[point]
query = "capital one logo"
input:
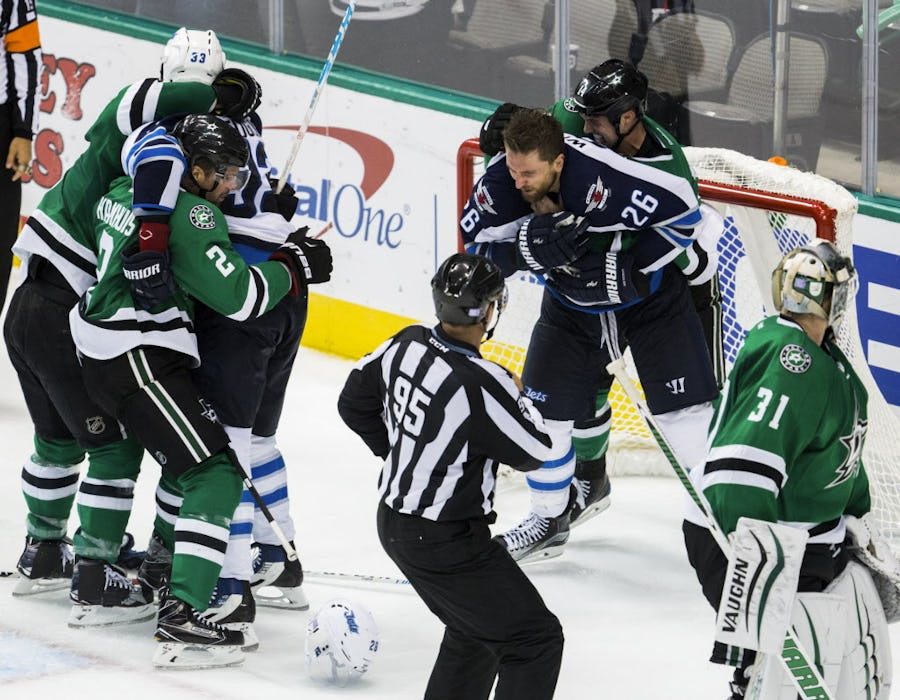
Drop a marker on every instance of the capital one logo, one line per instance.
(346, 205)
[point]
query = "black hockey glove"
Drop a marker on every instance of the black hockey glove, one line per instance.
(285, 201)
(490, 140)
(149, 274)
(307, 259)
(546, 241)
(600, 278)
(237, 94)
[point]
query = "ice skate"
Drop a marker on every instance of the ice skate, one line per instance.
(232, 606)
(590, 498)
(536, 538)
(187, 640)
(45, 565)
(102, 596)
(277, 582)
(157, 564)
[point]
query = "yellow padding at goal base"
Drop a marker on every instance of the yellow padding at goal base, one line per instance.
(346, 329)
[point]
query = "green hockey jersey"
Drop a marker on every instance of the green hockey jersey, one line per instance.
(106, 323)
(786, 439)
(61, 229)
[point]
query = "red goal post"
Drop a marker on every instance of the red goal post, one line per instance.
(767, 209)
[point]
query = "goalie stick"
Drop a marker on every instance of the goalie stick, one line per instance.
(804, 674)
(323, 77)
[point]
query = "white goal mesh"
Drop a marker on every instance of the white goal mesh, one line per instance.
(768, 209)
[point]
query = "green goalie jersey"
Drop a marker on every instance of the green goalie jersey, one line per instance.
(61, 227)
(787, 436)
(106, 323)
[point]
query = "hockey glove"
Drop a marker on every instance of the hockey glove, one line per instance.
(546, 241)
(285, 201)
(600, 278)
(149, 274)
(307, 259)
(490, 140)
(237, 94)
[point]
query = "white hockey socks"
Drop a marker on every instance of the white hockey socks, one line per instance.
(549, 485)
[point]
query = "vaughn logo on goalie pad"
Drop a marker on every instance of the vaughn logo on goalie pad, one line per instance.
(760, 585)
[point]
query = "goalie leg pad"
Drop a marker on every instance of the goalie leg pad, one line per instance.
(818, 621)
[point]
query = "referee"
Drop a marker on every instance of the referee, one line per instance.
(443, 418)
(20, 64)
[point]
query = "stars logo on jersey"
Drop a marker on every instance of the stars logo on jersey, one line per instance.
(795, 359)
(202, 217)
(483, 200)
(854, 444)
(596, 197)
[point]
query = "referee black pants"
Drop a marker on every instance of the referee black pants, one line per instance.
(497, 624)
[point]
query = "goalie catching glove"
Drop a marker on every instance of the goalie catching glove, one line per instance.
(237, 94)
(546, 241)
(307, 259)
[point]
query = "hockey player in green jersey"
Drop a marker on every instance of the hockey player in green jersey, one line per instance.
(59, 260)
(785, 446)
(136, 365)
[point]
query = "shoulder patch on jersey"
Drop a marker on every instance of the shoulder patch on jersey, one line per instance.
(483, 200)
(202, 217)
(795, 358)
(596, 196)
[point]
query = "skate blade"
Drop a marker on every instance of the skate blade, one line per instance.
(550, 552)
(34, 586)
(187, 657)
(591, 511)
(251, 641)
(284, 598)
(83, 616)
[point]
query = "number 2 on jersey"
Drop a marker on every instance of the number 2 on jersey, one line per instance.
(765, 397)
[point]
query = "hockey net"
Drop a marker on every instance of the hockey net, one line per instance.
(767, 209)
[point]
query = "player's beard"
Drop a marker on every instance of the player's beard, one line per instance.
(539, 193)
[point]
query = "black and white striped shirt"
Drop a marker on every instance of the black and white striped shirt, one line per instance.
(443, 419)
(20, 64)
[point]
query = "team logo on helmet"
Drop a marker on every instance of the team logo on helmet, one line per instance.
(202, 217)
(596, 197)
(795, 359)
(483, 200)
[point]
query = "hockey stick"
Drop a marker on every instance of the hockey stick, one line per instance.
(326, 576)
(806, 677)
(289, 551)
(323, 76)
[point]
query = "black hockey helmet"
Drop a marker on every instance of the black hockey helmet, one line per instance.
(204, 137)
(610, 90)
(464, 287)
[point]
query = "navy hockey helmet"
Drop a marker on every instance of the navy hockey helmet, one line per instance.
(808, 277)
(464, 287)
(209, 141)
(610, 89)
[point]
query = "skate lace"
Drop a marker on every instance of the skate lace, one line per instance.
(114, 579)
(198, 618)
(529, 531)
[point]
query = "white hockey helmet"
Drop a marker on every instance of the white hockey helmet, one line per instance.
(807, 278)
(341, 642)
(192, 55)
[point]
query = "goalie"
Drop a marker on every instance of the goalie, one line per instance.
(785, 448)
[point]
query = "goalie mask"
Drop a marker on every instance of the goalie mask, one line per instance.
(464, 288)
(341, 642)
(808, 277)
(192, 55)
